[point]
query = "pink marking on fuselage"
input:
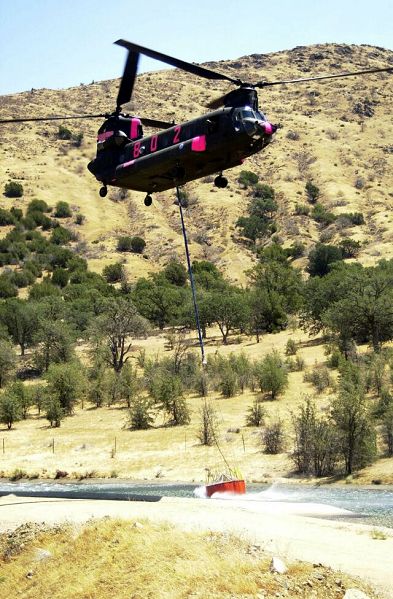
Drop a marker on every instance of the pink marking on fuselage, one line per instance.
(198, 144)
(129, 163)
(268, 128)
(105, 135)
(135, 123)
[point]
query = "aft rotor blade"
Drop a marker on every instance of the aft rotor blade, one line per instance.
(319, 77)
(128, 79)
(53, 118)
(176, 62)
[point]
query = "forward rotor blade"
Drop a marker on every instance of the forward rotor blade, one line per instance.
(318, 78)
(176, 62)
(155, 123)
(217, 102)
(128, 79)
(53, 118)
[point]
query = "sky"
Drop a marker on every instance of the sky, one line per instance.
(62, 43)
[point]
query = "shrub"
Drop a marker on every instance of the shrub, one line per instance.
(113, 273)
(13, 189)
(63, 210)
(312, 192)
(140, 417)
(64, 133)
(79, 219)
(302, 210)
(138, 244)
(273, 437)
(124, 244)
(208, 424)
(321, 215)
(38, 206)
(255, 414)
(319, 377)
(6, 217)
(60, 236)
(248, 178)
(291, 347)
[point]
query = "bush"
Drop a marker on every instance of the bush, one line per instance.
(302, 210)
(6, 217)
(60, 236)
(124, 244)
(140, 417)
(255, 414)
(312, 192)
(79, 219)
(13, 189)
(138, 244)
(63, 210)
(64, 133)
(291, 347)
(273, 438)
(321, 215)
(319, 377)
(248, 178)
(38, 206)
(208, 424)
(113, 273)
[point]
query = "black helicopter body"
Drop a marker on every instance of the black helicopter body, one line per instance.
(182, 152)
(209, 144)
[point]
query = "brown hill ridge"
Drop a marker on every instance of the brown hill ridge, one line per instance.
(337, 133)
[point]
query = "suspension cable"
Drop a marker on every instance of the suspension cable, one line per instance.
(191, 279)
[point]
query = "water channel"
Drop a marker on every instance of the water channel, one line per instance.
(372, 506)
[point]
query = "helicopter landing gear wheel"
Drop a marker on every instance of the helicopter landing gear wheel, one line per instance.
(103, 191)
(148, 200)
(221, 181)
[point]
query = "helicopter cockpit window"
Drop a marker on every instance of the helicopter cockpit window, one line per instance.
(248, 114)
(260, 116)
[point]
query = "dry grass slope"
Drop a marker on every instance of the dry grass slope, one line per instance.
(145, 560)
(326, 137)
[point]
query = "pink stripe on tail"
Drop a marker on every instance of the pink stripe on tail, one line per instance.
(198, 144)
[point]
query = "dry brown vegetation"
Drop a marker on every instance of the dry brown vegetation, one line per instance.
(143, 560)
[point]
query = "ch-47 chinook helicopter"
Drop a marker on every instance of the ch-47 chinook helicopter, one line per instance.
(206, 145)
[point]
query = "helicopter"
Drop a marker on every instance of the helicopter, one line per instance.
(219, 140)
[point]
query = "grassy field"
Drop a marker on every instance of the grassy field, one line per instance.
(98, 443)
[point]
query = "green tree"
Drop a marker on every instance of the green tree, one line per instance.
(159, 301)
(23, 396)
(21, 319)
(54, 412)
(166, 389)
(7, 361)
(176, 273)
(353, 420)
(66, 384)
(9, 409)
(272, 374)
(54, 340)
(230, 310)
(321, 258)
(114, 328)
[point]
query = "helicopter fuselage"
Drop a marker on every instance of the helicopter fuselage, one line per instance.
(197, 148)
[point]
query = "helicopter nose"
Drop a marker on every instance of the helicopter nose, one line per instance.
(267, 127)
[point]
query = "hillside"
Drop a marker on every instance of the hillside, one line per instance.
(336, 133)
